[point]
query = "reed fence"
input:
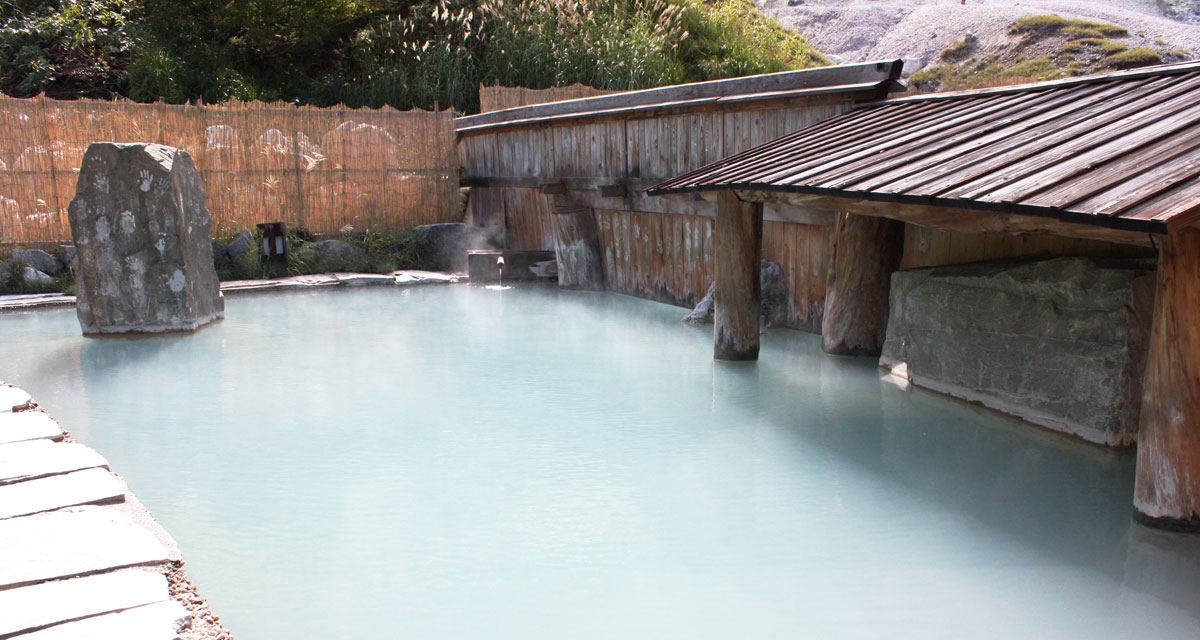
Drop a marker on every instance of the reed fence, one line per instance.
(327, 169)
(498, 98)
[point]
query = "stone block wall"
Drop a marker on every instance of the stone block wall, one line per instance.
(1060, 342)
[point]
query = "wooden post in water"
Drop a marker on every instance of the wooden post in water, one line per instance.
(1167, 492)
(738, 296)
(577, 248)
(866, 250)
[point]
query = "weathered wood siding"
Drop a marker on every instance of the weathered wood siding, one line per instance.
(645, 253)
(929, 247)
(804, 251)
(527, 220)
(650, 255)
(497, 98)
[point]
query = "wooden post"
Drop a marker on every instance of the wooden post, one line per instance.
(738, 297)
(866, 250)
(1167, 491)
(577, 248)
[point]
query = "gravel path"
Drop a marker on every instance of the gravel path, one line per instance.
(857, 30)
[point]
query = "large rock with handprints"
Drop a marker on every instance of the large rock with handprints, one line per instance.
(143, 235)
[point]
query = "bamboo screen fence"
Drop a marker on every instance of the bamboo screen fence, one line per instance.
(324, 169)
(497, 98)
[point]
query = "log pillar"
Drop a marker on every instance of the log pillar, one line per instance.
(577, 248)
(866, 251)
(1167, 492)
(737, 299)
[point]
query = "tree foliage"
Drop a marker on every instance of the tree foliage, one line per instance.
(404, 53)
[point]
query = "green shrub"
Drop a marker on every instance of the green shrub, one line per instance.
(1140, 57)
(1100, 45)
(1050, 24)
(407, 54)
(1040, 24)
(65, 48)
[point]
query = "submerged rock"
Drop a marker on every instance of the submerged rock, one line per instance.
(39, 260)
(143, 234)
(774, 298)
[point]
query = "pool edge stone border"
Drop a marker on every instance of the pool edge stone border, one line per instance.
(128, 514)
(404, 278)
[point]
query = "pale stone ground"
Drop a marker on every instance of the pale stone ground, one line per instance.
(860, 30)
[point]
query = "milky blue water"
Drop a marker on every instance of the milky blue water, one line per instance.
(454, 462)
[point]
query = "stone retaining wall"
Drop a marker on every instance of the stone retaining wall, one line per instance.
(1059, 342)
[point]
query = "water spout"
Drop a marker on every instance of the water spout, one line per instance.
(499, 266)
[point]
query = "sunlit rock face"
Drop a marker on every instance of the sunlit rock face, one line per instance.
(143, 235)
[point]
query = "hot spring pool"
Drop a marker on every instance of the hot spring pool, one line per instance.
(454, 462)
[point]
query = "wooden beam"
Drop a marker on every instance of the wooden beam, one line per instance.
(738, 296)
(866, 251)
(952, 218)
(1167, 490)
(629, 194)
(818, 78)
(577, 248)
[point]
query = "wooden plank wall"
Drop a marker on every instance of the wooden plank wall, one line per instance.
(647, 147)
(928, 247)
(668, 258)
(664, 254)
(804, 253)
(527, 220)
(497, 98)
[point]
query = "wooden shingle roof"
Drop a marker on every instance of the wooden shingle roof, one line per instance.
(1120, 150)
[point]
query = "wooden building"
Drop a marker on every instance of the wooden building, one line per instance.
(1110, 161)
(578, 170)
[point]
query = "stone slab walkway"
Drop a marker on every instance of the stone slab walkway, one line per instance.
(69, 571)
(158, 621)
(78, 488)
(238, 287)
(22, 461)
(73, 542)
(27, 425)
(40, 606)
(11, 397)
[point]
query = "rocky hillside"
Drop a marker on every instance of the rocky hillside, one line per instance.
(956, 44)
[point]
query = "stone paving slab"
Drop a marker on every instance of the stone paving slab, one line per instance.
(42, 605)
(28, 425)
(25, 303)
(159, 621)
(427, 277)
(23, 461)
(90, 486)
(73, 542)
(237, 287)
(364, 279)
(11, 397)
